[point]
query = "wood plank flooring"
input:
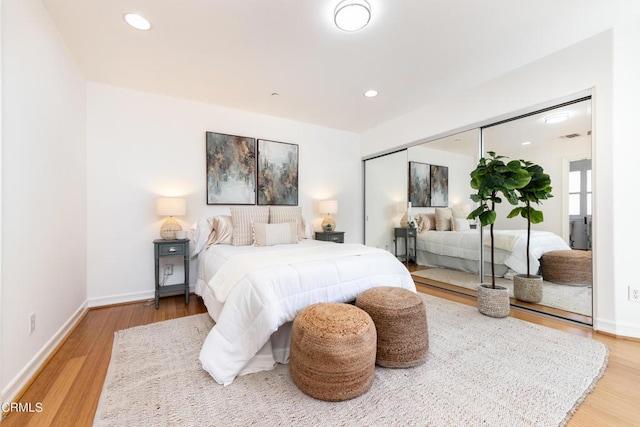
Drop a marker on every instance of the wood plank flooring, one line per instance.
(69, 386)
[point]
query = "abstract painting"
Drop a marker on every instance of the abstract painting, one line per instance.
(231, 169)
(439, 186)
(419, 185)
(277, 173)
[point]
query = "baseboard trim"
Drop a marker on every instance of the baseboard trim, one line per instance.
(125, 298)
(19, 384)
(618, 330)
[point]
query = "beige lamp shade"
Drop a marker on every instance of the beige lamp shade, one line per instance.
(171, 207)
(328, 207)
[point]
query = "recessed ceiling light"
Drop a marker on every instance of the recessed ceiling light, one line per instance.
(556, 118)
(137, 21)
(526, 143)
(371, 93)
(352, 15)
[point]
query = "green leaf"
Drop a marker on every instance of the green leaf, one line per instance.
(515, 212)
(536, 216)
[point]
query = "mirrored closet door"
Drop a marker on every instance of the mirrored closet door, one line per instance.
(559, 140)
(428, 185)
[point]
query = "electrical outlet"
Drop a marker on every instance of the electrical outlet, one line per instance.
(32, 322)
(634, 294)
(168, 269)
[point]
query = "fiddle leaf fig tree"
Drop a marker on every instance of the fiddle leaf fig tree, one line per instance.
(494, 179)
(538, 189)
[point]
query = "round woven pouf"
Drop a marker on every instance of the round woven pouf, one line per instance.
(568, 267)
(333, 351)
(400, 317)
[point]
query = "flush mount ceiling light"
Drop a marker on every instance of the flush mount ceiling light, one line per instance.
(526, 143)
(352, 15)
(137, 21)
(556, 118)
(371, 93)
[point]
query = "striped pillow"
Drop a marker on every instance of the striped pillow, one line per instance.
(275, 234)
(242, 217)
(280, 214)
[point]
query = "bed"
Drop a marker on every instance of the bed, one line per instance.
(254, 292)
(460, 250)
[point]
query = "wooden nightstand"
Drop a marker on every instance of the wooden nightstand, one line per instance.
(171, 248)
(406, 233)
(331, 236)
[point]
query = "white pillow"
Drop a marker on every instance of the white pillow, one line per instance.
(460, 224)
(461, 211)
(242, 218)
(443, 219)
(426, 222)
(200, 231)
(221, 231)
(275, 234)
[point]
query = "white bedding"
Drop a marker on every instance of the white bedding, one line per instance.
(511, 246)
(261, 289)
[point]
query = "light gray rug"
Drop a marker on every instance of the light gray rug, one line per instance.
(576, 299)
(479, 371)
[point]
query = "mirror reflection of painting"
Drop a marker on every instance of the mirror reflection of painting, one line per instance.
(419, 184)
(439, 186)
(231, 169)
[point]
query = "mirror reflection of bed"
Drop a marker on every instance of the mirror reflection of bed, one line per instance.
(449, 259)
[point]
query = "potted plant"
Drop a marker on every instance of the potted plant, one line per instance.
(493, 179)
(528, 287)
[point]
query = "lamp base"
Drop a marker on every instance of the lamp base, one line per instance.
(328, 224)
(169, 228)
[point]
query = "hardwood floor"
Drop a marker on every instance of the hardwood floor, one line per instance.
(69, 386)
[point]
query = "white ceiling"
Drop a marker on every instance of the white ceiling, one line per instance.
(507, 138)
(236, 53)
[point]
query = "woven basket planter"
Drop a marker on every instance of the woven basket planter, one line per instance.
(493, 302)
(333, 351)
(400, 317)
(527, 288)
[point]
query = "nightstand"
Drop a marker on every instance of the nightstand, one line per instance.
(171, 248)
(406, 234)
(331, 236)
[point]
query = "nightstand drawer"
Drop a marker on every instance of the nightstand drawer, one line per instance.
(165, 250)
(331, 236)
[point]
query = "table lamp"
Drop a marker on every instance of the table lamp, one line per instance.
(171, 207)
(328, 207)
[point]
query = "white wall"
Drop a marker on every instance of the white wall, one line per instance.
(141, 146)
(586, 65)
(43, 189)
(624, 164)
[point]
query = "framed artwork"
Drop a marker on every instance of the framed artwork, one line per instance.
(439, 186)
(277, 173)
(419, 185)
(231, 169)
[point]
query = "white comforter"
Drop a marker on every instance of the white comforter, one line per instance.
(512, 243)
(253, 291)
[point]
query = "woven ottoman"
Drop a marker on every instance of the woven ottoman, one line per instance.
(570, 267)
(400, 317)
(333, 351)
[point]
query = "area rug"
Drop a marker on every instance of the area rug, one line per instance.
(576, 299)
(479, 371)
